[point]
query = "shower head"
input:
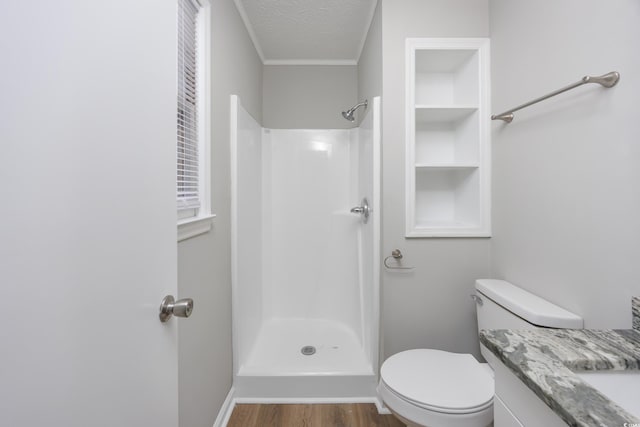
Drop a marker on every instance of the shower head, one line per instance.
(349, 113)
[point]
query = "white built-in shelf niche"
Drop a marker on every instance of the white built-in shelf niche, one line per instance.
(448, 172)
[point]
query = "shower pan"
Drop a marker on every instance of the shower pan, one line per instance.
(305, 262)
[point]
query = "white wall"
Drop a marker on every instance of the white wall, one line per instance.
(431, 306)
(308, 96)
(565, 186)
(204, 272)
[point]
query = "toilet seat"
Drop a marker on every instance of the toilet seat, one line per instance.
(439, 381)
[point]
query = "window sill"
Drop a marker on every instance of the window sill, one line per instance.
(191, 227)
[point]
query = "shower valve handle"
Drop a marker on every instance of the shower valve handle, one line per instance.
(363, 210)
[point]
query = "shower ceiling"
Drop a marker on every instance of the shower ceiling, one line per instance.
(307, 31)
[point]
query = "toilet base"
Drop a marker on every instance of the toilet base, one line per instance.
(415, 416)
(407, 422)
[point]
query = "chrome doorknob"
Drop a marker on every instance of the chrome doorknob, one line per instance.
(170, 307)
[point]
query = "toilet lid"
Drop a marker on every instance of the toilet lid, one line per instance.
(439, 380)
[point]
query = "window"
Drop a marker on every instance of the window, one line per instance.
(192, 180)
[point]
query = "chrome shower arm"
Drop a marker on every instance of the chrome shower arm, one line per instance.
(355, 107)
(349, 113)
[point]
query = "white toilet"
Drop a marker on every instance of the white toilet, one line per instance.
(433, 388)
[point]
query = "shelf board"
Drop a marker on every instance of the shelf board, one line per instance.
(446, 106)
(445, 228)
(446, 166)
(443, 113)
(426, 224)
(447, 232)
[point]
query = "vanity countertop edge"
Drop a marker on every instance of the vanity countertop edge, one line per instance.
(546, 361)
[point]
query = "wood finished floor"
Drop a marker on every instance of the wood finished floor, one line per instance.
(317, 415)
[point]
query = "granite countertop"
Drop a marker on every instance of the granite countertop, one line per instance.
(546, 359)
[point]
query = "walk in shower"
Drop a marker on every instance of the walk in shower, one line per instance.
(305, 264)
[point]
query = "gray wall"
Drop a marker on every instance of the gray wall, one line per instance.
(431, 306)
(204, 272)
(566, 204)
(370, 63)
(308, 96)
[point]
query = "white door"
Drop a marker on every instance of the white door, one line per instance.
(87, 213)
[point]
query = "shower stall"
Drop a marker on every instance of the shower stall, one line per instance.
(305, 259)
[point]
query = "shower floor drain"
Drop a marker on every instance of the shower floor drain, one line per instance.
(308, 350)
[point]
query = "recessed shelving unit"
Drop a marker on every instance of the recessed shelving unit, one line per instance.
(448, 180)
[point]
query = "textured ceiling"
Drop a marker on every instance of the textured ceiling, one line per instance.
(307, 31)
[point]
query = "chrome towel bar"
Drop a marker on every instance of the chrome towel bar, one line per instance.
(607, 80)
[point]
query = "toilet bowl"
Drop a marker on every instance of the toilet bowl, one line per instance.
(434, 388)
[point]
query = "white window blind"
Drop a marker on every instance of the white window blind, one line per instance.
(188, 164)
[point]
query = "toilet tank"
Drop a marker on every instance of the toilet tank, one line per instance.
(502, 305)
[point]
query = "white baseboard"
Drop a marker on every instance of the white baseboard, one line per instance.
(231, 401)
(382, 409)
(226, 410)
(305, 400)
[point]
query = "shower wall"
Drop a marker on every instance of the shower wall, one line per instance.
(246, 209)
(310, 242)
(305, 269)
(369, 162)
